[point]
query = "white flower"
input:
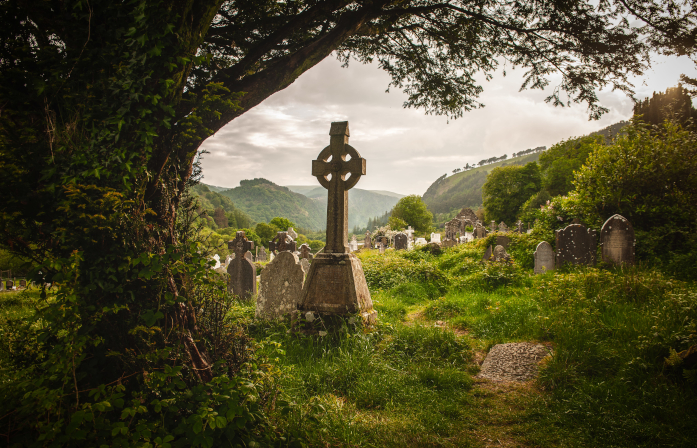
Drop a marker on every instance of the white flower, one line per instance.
(309, 316)
(322, 333)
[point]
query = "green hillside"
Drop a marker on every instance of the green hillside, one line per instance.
(363, 204)
(209, 200)
(464, 189)
(263, 200)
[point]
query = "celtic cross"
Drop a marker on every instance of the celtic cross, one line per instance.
(240, 245)
(338, 175)
(280, 243)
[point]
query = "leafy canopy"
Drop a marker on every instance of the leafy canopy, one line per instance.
(411, 210)
(507, 188)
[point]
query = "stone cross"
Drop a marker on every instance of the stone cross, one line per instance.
(338, 175)
(240, 245)
(305, 252)
(261, 255)
(280, 243)
(410, 233)
(503, 227)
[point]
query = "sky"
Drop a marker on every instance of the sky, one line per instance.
(405, 150)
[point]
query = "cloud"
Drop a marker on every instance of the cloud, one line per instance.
(405, 149)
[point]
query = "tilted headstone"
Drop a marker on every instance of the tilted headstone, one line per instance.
(576, 245)
(367, 243)
(261, 254)
(292, 233)
(544, 258)
(503, 227)
(336, 282)
(401, 241)
(500, 254)
(617, 241)
(435, 238)
(488, 254)
(242, 280)
(503, 240)
(280, 286)
(281, 243)
(306, 252)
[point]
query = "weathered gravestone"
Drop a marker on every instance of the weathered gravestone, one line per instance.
(336, 283)
(488, 254)
(261, 254)
(500, 254)
(503, 240)
(617, 241)
(480, 232)
(401, 241)
(435, 238)
(367, 243)
(503, 227)
(281, 243)
(280, 286)
(242, 280)
(576, 244)
(381, 247)
(306, 252)
(544, 258)
(292, 233)
(353, 244)
(22, 283)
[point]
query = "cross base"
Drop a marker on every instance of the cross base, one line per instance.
(336, 285)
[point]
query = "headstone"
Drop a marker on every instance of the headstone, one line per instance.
(280, 286)
(503, 240)
(576, 245)
(420, 241)
(292, 233)
(2, 284)
(242, 280)
(503, 227)
(353, 244)
(480, 232)
(544, 258)
(384, 240)
(282, 242)
(617, 241)
(435, 238)
(434, 248)
(336, 282)
(448, 243)
(381, 246)
(367, 243)
(487, 255)
(305, 263)
(306, 252)
(401, 241)
(261, 254)
(500, 254)
(22, 283)
(493, 226)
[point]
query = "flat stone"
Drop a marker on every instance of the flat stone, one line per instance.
(513, 361)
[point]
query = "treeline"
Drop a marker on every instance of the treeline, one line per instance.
(378, 221)
(220, 211)
(529, 151)
(591, 179)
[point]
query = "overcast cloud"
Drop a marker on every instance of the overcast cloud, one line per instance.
(405, 149)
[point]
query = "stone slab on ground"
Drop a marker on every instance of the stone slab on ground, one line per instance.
(514, 361)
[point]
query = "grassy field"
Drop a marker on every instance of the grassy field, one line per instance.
(614, 380)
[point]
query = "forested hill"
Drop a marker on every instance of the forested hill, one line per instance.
(363, 204)
(464, 189)
(263, 200)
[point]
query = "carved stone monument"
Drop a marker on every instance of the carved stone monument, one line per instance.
(367, 243)
(280, 286)
(617, 241)
(306, 252)
(242, 273)
(576, 244)
(281, 243)
(480, 232)
(500, 254)
(261, 254)
(401, 241)
(544, 258)
(503, 227)
(292, 233)
(336, 282)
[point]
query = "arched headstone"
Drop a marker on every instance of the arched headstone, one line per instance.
(242, 273)
(400, 241)
(617, 241)
(544, 258)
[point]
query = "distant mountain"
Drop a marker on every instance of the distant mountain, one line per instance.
(363, 204)
(215, 189)
(210, 200)
(263, 200)
(464, 189)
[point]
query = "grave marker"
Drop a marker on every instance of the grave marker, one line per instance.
(503, 227)
(401, 241)
(544, 258)
(576, 245)
(280, 286)
(367, 243)
(292, 233)
(242, 280)
(306, 252)
(435, 238)
(503, 240)
(336, 283)
(617, 241)
(282, 242)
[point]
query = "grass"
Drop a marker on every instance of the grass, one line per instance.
(615, 379)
